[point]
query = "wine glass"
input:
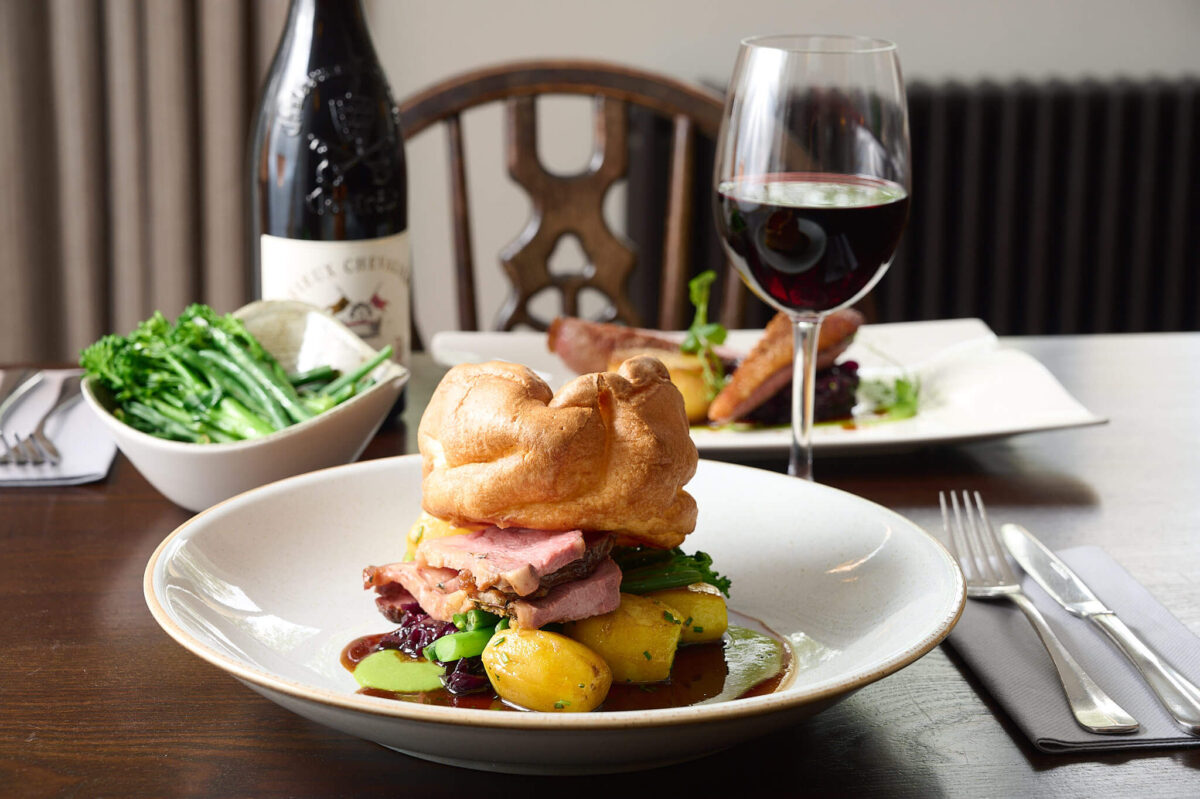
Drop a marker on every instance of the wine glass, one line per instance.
(812, 185)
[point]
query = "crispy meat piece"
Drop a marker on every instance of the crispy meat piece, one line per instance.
(768, 367)
(588, 346)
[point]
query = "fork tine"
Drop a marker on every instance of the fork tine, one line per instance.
(948, 529)
(966, 525)
(979, 549)
(962, 544)
(33, 455)
(38, 445)
(47, 447)
(33, 452)
(18, 450)
(993, 543)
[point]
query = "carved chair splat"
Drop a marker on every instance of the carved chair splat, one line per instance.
(572, 205)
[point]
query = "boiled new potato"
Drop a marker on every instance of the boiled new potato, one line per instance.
(702, 611)
(546, 671)
(429, 527)
(637, 640)
(686, 373)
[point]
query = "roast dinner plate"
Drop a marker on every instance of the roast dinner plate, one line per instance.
(971, 386)
(267, 586)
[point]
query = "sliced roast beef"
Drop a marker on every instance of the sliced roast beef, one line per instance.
(513, 561)
(394, 601)
(441, 594)
(533, 576)
(598, 547)
(599, 592)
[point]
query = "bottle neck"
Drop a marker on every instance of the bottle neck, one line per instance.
(338, 22)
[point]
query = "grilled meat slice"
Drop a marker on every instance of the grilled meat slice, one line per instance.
(768, 367)
(588, 346)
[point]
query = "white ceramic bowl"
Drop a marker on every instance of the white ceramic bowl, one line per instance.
(855, 590)
(301, 337)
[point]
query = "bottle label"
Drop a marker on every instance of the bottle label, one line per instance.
(365, 283)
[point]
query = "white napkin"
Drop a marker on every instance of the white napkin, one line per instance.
(86, 448)
(1001, 647)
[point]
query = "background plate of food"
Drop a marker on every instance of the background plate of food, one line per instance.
(920, 383)
(267, 586)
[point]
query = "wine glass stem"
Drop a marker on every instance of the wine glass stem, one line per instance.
(806, 331)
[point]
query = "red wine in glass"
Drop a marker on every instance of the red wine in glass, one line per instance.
(811, 184)
(811, 242)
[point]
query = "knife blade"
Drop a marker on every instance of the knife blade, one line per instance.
(1178, 695)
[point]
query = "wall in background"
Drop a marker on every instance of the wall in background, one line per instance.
(423, 42)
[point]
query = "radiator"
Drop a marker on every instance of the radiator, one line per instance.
(1054, 208)
(1040, 208)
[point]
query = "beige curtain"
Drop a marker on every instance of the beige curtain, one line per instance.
(122, 145)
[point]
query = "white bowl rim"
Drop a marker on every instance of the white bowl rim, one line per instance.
(779, 701)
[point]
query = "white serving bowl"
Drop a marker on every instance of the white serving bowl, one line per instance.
(301, 337)
(854, 590)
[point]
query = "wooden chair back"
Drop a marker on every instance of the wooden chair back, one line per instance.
(573, 204)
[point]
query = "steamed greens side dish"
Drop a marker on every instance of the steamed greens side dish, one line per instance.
(206, 379)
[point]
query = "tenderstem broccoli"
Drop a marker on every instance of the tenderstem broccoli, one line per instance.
(645, 569)
(205, 378)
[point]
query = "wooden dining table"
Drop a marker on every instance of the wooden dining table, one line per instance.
(96, 700)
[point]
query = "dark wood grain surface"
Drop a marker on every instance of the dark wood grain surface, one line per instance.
(95, 700)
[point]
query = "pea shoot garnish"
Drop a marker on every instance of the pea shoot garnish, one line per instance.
(704, 335)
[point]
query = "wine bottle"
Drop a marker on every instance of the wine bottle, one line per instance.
(328, 184)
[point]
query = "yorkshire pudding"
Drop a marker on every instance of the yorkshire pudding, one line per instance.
(611, 451)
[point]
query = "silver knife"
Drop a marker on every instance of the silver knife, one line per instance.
(1178, 695)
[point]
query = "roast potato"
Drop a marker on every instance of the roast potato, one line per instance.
(546, 671)
(702, 611)
(637, 640)
(429, 527)
(686, 373)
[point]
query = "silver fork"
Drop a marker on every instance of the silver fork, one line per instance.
(38, 444)
(24, 382)
(975, 546)
(14, 452)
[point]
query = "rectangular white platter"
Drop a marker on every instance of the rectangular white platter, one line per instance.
(971, 387)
